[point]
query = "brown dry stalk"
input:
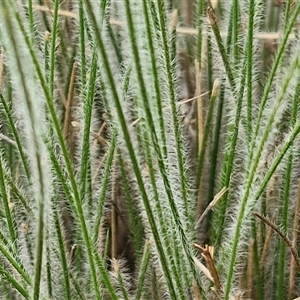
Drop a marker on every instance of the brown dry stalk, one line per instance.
(211, 205)
(100, 165)
(190, 99)
(207, 254)
(285, 239)
(61, 12)
(12, 142)
(174, 19)
(7, 139)
(72, 253)
(98, 138)
(266, 244)
(177, 103)
(101, 130)
(67, 120)
(211, 16)
(294, 243)
(260, 35)
(116, 266)
(197, 294)
(215, 89)
(214, 3)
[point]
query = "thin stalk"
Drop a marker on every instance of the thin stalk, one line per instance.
(156, 290)
(69, 104)
(63, 258)
(207, 132)
(53, 48)
(281, 262)
(77, 287)
(40, 239)
(173, 35)
(8, 212)
(258, 280)
(124, 290)
(143, 270)
(16, 136)
(200, 12)
(115, 42)
(249, 80)
(229, 32)
(210, 65)
(48, 270)
(113, 212)
(207, 129)
(88, 102)
(82, 44)
(235, 30)
(135, 223)
(44, 17)
(215, 148)
(31, 20)
(297, 205)
(295, 238)
(287, 11)
(104, 185)
(222, 50)
(105, 277)
(286, 198)
(199, 104)
(60, 173)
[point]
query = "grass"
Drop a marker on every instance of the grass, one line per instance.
(149, 149)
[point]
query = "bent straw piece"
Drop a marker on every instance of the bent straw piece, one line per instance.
(285, 239)
(211, 205)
